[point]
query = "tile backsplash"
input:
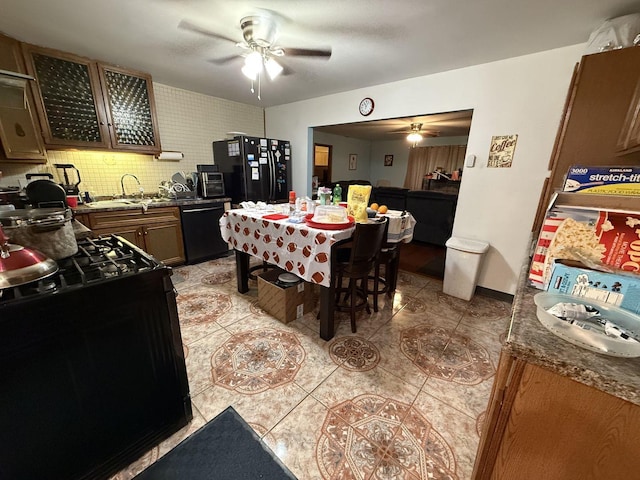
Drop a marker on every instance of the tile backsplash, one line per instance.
(188, 123)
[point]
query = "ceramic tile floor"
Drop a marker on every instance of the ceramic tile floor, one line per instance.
(403, 398)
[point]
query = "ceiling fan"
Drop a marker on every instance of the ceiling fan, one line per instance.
(258, 47)
(416, 133)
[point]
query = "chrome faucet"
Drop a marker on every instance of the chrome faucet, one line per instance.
(124, 194)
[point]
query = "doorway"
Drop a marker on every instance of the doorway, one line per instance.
(321, 164)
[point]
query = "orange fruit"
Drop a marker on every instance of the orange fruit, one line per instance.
(373, 206)
(382, 209)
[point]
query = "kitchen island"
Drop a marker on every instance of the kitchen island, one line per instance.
(558, 411)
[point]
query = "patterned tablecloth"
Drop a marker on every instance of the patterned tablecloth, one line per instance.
(400, 226)
(297, 247)
(294, 247)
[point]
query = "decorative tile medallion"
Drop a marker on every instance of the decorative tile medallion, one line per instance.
(354, 353)
(255, 308)
(202, 307)
(379, 438)
(217, 278)
(257, 360)
(463, 361)
(414, 305)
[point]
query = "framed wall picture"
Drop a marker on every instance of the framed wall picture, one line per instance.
(353, 161)
(388, 160)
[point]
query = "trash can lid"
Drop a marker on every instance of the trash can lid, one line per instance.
(467, 245)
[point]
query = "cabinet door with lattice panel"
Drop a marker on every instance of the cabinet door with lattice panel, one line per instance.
(130, 108)
(69, 99)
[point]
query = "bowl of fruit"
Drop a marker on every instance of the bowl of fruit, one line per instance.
(374, 209)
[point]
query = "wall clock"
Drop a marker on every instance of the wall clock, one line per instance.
(366, 106)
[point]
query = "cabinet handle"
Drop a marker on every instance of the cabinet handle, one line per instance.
(139, 233)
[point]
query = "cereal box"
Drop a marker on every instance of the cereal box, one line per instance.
(620, 290)
(603, 180)
(593, 236)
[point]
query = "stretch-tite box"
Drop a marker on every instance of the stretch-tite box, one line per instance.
(620, 180)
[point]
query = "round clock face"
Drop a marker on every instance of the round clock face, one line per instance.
(366, 106)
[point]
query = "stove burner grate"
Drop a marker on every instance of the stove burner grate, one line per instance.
(97, 260)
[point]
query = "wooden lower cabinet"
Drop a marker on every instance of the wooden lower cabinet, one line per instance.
(541, 425)
(157, 231)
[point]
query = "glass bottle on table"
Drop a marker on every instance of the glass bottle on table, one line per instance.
(337, 194)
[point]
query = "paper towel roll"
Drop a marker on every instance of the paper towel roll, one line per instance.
(175, 156)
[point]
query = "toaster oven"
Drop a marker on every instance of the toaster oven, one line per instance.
(212, 184)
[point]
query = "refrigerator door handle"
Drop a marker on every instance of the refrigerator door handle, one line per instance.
(272, 171)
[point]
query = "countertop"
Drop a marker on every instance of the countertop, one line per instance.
(156, 204)
(529, 340)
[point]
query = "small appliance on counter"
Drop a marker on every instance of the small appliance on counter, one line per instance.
(211, 182)
(71, 188)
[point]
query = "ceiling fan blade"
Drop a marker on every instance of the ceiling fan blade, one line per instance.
(307, 52)
(187, 25)
(225, 60)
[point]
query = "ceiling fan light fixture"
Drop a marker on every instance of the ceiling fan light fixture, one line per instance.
(273, 68)
(249, 72)
(414, 137)
(253, 61)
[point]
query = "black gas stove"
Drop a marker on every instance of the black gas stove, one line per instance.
(93, 371)
(97, 260)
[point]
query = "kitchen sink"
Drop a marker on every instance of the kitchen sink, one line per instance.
(113, 203)
(126, 202)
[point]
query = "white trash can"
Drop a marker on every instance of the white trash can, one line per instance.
(462, 266)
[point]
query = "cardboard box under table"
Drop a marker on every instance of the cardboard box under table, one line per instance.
(285, 302)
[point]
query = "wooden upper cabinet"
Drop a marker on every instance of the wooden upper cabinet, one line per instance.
(629, 140)
(86, 104)
(20, 136)
(598, 102)
(69, 98)
(131, 113)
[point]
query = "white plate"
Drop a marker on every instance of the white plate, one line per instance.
(288, 278)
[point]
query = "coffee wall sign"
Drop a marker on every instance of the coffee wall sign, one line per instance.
(501, 151)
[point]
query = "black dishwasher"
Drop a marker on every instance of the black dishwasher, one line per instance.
(201, 231)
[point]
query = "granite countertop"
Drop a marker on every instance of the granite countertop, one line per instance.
(155, 204)
(529, 340)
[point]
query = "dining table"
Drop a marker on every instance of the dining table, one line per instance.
(298, 246)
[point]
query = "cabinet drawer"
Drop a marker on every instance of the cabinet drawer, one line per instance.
(133, 217)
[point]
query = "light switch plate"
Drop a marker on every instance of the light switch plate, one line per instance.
(470, 161)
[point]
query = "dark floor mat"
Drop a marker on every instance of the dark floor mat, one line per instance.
(434, 267)
(226, 448)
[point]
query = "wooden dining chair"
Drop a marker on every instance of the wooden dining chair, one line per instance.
(389, 258)
(354, 260)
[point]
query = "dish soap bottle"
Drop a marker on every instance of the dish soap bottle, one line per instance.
(337, 194)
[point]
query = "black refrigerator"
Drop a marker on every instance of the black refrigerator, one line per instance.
(254, 168)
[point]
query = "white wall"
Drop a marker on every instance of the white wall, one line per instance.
(523, 96)
(342, 148)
